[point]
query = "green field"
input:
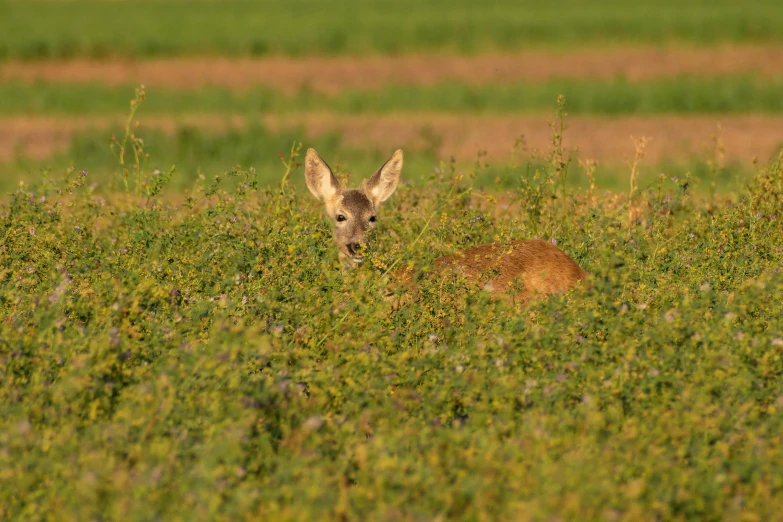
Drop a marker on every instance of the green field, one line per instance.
(179, 342)
(208, 361)
(139, 28)
(682, 95)
(195, 152)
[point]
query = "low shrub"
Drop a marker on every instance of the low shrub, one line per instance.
(208, 359)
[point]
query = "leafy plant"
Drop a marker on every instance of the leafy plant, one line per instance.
(210, 361)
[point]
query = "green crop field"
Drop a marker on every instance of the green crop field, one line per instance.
(178, 340)
(682, 95)
(140, 28)
(205, 360)
(195, 153)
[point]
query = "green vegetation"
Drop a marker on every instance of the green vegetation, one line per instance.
(206, 360)
(683, 95)
(193, 151)
(198, 151)
(141, 28)
(181, 344)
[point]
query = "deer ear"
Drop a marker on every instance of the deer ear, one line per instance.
(319, 177)
(383, 183)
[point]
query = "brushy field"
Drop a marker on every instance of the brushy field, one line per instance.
(181, 343)
(734, 94)
(99, 34)
(143, 28)
(197, 152)
(204, 358)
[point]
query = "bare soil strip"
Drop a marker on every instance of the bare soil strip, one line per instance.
(607, 140)
(335, 74)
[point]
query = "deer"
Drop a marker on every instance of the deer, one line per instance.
(540, 266)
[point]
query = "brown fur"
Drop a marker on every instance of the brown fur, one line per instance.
(354, 211)
(538, 265)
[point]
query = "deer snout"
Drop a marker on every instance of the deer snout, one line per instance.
(356, 248)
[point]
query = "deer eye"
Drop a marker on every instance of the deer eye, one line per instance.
(372, 219)
(340, 217)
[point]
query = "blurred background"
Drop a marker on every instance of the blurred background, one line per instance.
(237, 82)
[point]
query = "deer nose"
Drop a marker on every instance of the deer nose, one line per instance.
(354, 248)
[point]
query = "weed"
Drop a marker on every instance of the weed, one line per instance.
(211, 361)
